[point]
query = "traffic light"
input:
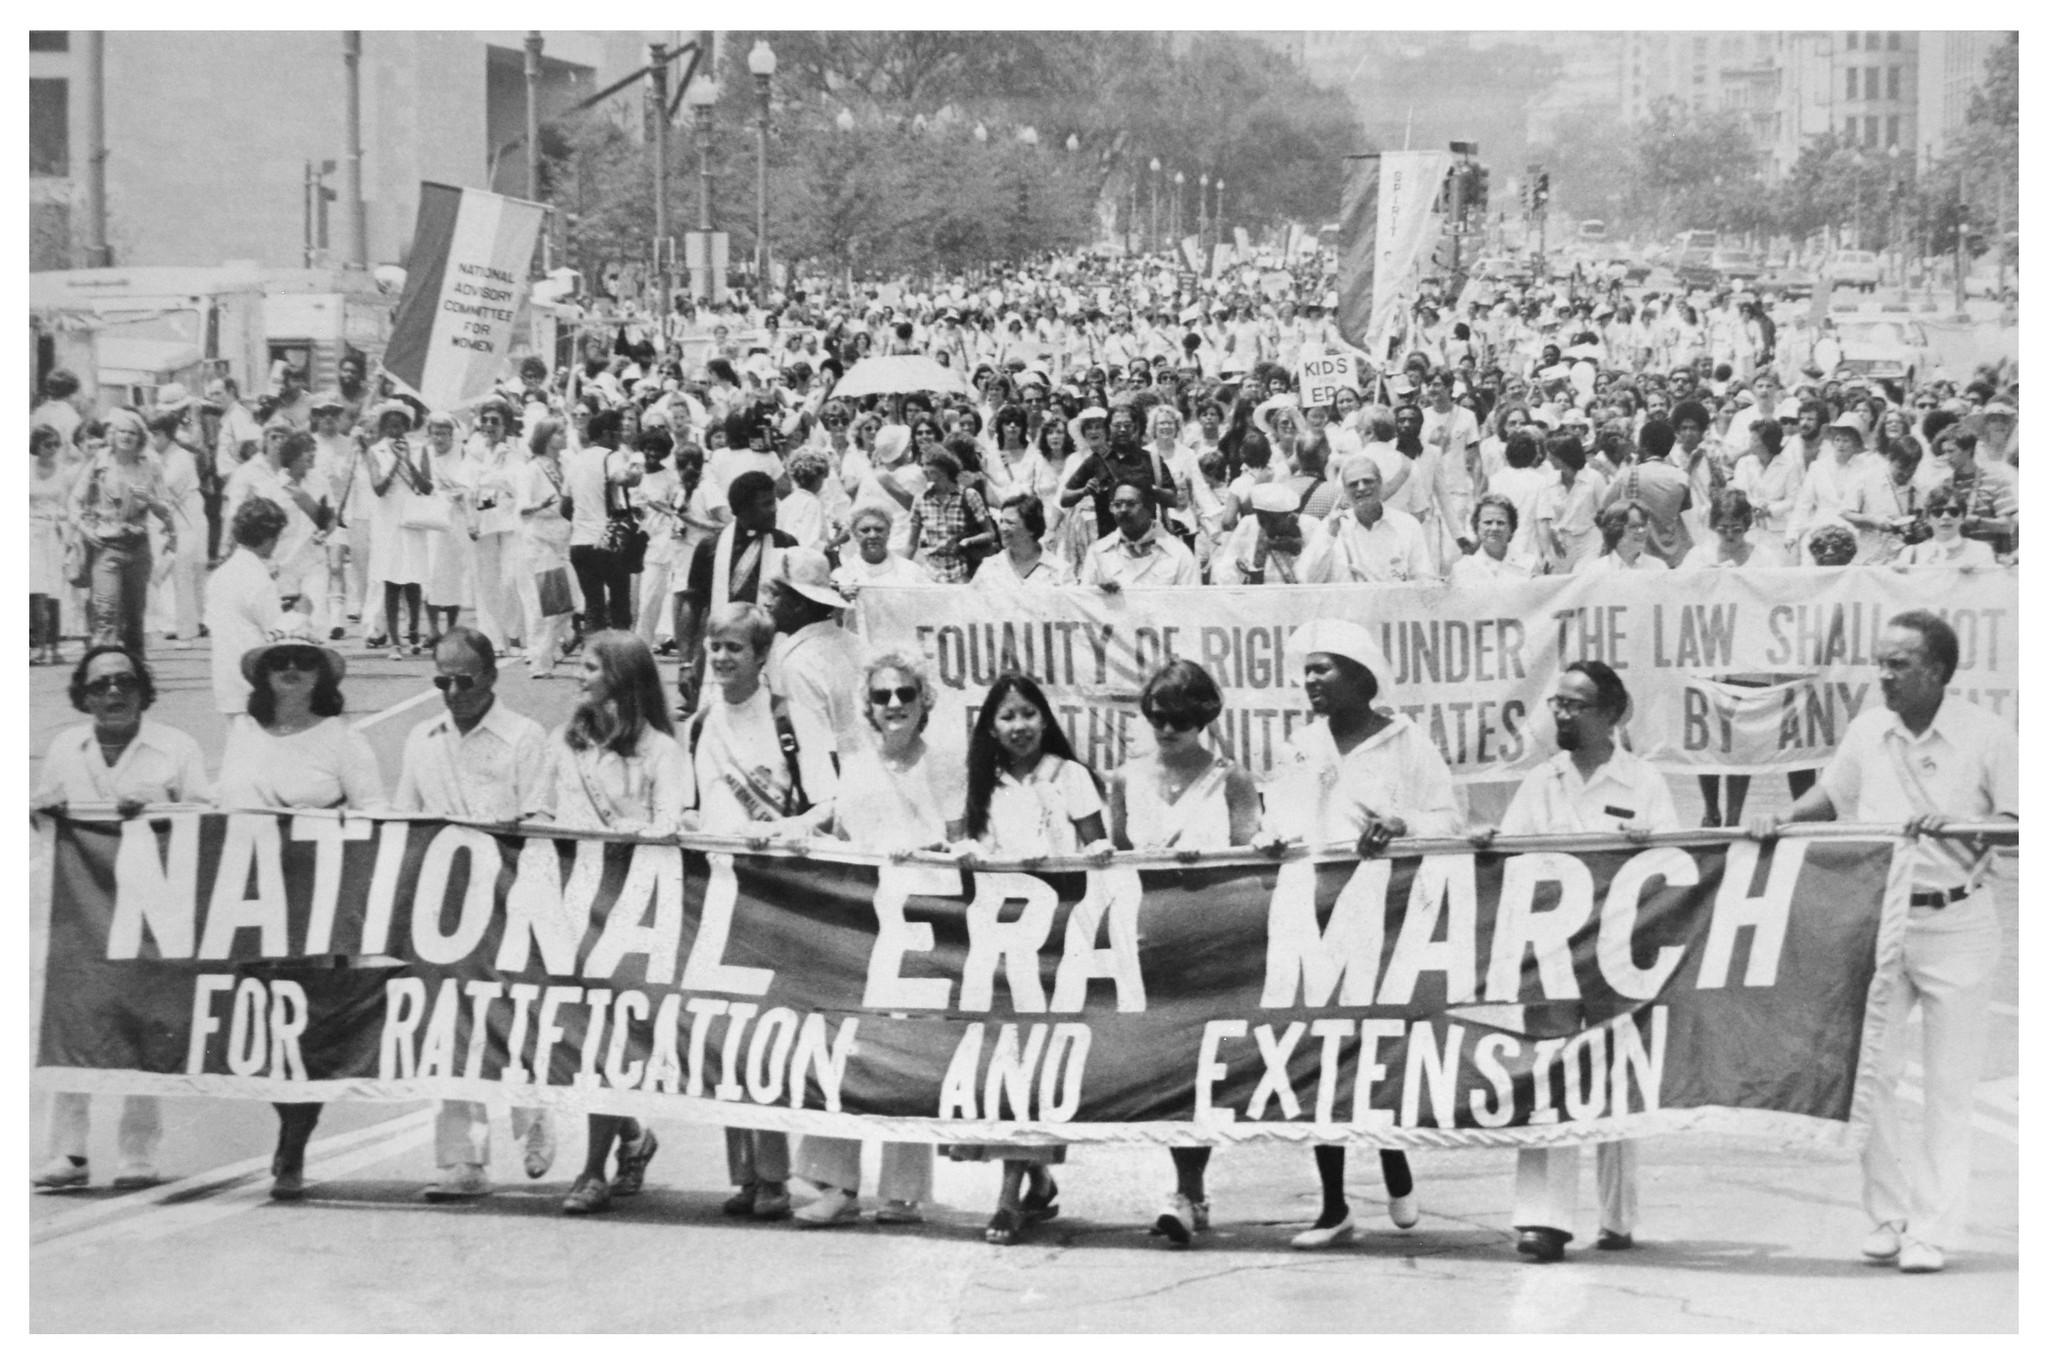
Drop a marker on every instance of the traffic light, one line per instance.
(1540, 199)
(1476, 189)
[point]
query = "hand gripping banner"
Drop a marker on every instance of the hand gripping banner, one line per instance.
(1543, 991)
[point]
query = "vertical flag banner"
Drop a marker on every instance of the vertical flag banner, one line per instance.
(1357, 233)
(1408, 188)
(1191, 251)
(463, 289)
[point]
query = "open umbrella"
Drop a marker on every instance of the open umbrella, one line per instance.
(886, 374)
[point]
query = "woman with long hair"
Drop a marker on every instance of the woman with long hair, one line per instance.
(110, 501)
(618, 768)
(1027, 797)
(295, 752)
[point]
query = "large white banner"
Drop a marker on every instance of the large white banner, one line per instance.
(464, 285)
(1408, 190)
(1740, 671)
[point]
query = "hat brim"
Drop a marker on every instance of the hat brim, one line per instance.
(819, 593)
(252, 660)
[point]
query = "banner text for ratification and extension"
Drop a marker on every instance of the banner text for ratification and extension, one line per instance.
(1499, 997)
(1741, 671)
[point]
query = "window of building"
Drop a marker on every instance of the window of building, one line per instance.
(1891, 82)
(49, 126)
(1872, 82)
(1850, 41)
(1870, 130)
(1891, 131)
(1852, 82)
(49, 40)
(1892, 41)
(1870, 40)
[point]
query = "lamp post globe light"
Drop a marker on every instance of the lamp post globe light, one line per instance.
(981, 132)
(1073, 142)
(844, 123)
(761, 61)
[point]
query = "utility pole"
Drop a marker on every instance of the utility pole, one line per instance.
(354, 252)
(657, 142)
(533, 49)
(97, 252)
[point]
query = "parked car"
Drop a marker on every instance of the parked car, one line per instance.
(1861, 269)
(1506, 269)
(1735, 267)
(1788, 281)
(1892, 349)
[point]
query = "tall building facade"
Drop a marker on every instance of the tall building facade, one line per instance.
(1951, 68)
(210, 136)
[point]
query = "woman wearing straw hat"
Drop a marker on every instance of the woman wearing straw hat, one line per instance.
(1357, 777)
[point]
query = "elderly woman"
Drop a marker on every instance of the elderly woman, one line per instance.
(618, 768)
(295, 752)
(1495, 521)
(110, 501)
(802, 512)
(871, 560)
(906, 802)
(49, 488)
(450, 584)
(760, 767)
(121, 759)
(1360, 777)
(1023, 559)
(544, 514)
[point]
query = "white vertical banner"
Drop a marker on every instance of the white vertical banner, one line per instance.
(1407, 188)
(465, 283)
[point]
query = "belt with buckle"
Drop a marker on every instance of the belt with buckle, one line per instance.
(1936, 899)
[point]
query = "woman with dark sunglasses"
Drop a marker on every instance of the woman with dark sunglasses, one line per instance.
(1182, 798)
(120, 759)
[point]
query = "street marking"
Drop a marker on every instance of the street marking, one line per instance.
(396, 709)
(67, 1226)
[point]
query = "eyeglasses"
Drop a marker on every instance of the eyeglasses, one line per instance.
(1944, 511)
(835, 421)
(295, 660)
(113, 682)
(455, 682)
(1568, 706)
(903, 696)
(1161, 721)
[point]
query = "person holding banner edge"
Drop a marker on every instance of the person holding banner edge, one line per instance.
(1925, 761)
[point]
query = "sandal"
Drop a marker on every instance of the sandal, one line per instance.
(1002, 1229)
(1043, 1208)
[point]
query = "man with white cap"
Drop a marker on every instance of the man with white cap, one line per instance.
(1836, 481)
(1265, 547)
(1591, 786)
(1374, 543)
(1357, 777)
(815, 663)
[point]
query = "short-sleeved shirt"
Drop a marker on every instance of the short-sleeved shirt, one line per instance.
(160, 765)
(1622, 792)
(242, 604)
(1322, 796)
(1965, 764)
(1156, 561)
(1033, 816)
(1342, 550)
(586, 474)
(321, 768)
(500, 771)
(644, 792)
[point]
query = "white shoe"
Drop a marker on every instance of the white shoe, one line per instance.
(464, 1180)
(1920, 1258)
(830, 1209)
(1881, 1246)
(1177, 1219)
(62, 1173)
(1404, 1210)
(540, 1147)
(1315, 1239)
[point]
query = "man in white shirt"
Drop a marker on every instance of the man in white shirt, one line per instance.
(1592, 786)
(242, 601)
(240, 433)
(480, 761)
(1374, 544)
(1137, 554)
(1925, 761)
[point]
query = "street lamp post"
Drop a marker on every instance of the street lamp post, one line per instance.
(761, 61)
(1152, 237)
(1202, 213)
(657, 146)
(1180, 180)
(701, 96)
(1216, 211)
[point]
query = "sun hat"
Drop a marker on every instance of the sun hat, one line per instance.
(808, 573)
(1347, 640)
(292, 629)
(1275, 497)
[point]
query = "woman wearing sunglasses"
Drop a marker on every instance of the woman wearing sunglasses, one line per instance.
(1182, 798)
(907, 802)
(121, 759)
(1947, 548)
(295, 752)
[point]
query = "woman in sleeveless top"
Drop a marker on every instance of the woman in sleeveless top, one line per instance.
(1185, 797)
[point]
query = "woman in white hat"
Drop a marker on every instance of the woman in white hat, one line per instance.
(295, 752)
(1356, 777)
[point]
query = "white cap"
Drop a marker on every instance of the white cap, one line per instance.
(1346, 639)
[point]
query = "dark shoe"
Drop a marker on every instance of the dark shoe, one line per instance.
(1615, 1241)
(633, 1165)
(288, 1184)
(588, 1195)
(1542, 1244)
(741, 1205)
(1043, 1208)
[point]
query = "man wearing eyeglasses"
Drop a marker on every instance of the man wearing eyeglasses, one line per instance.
(1592, 786)
(481, 760)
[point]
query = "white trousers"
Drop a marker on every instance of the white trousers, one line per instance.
(462, 1131)
(500, 564)
(656, 614)
(906, 1167)
(141, 1130)
(1949, 955)
(358, 577)
(1547, 1186)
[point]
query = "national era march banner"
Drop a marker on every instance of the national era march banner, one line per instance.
(464, 284)
(1740, 671)
(1541, 991)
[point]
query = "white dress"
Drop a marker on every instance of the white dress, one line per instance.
(451, 554)
(45, 529)
(397, 555)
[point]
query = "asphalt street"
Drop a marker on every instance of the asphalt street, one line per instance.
(1734, 1235)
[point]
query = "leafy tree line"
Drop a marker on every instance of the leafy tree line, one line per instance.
(873, 165)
